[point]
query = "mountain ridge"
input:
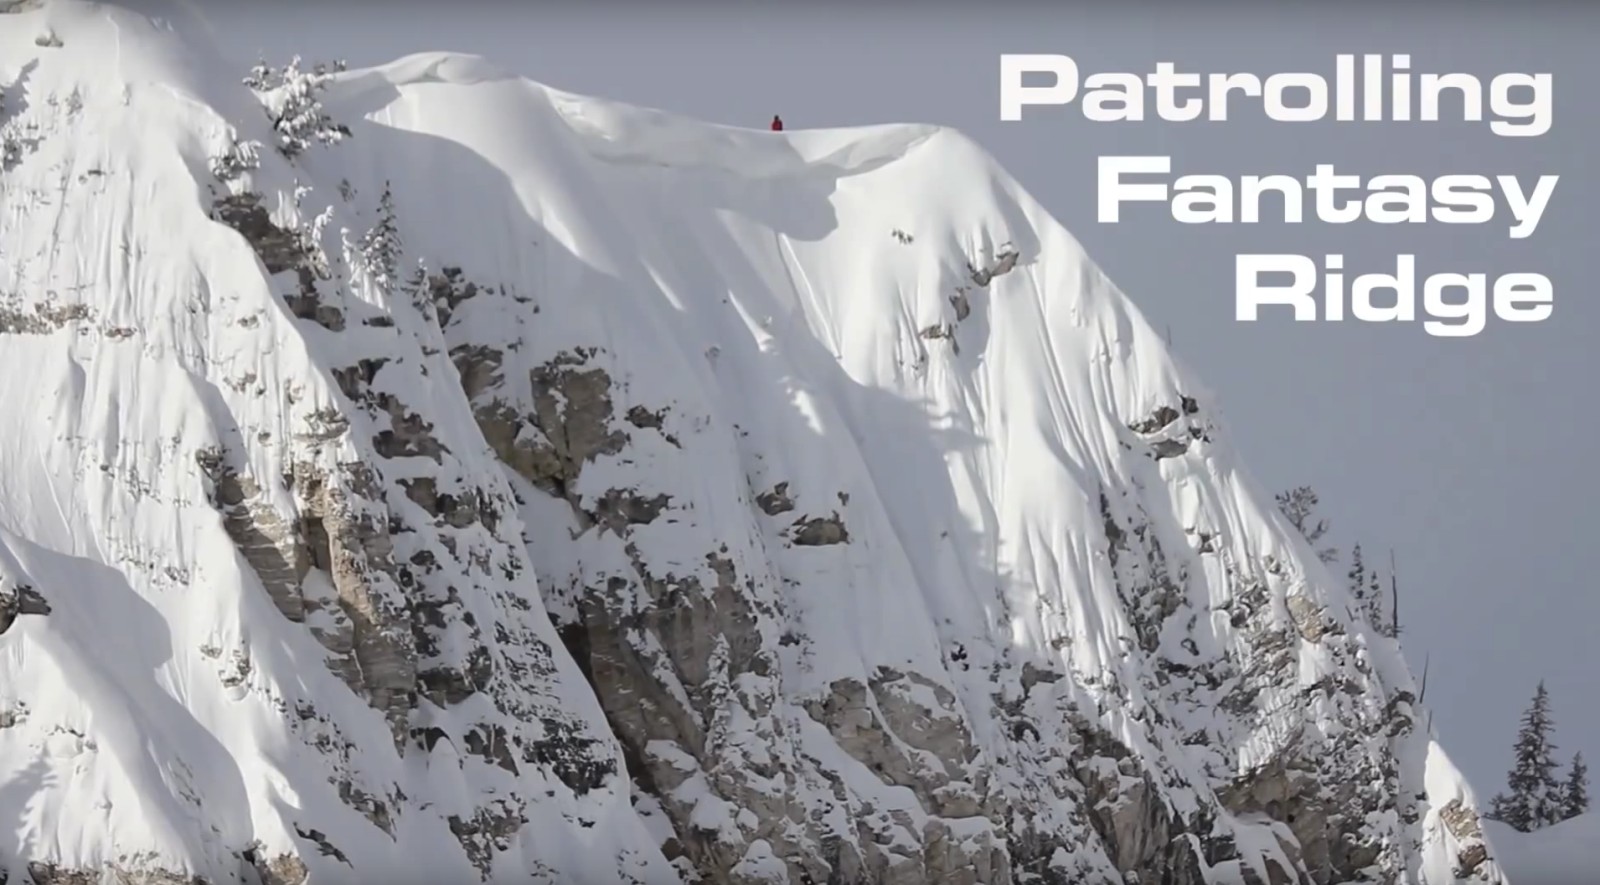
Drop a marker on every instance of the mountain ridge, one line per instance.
(709, 503)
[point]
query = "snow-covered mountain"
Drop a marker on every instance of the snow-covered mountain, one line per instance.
(529, 487)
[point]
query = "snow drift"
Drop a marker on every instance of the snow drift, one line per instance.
(521, 486)
(1566, 853)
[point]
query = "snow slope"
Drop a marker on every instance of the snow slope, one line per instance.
(1564, 854)
(686, 503)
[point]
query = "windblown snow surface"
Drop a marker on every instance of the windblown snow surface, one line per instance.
(690, 504)
(1565, 854)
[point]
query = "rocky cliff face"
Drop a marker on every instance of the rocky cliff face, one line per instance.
(521, 487)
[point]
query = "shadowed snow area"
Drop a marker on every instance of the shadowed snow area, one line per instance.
(530, 487)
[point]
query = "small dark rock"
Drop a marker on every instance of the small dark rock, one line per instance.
(17, 601)
(1158, 419)
(820, 531)
(962, 305)
(776, 501)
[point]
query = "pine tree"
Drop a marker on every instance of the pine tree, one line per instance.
(1377, 605)
(1500, 809)
(292, 104)
(1299, 505)
(241, 156)
(416, 288)
(1536, 797)
(262, 78)
(381, 247)
(1357, 575)
(1575, 793)
(1367, 591)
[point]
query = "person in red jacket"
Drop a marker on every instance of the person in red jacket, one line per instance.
(777, 124)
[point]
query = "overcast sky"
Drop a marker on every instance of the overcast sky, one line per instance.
(1469, 457)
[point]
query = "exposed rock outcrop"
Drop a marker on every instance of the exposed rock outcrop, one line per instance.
(18, 601)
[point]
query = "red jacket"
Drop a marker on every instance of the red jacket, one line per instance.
(777, 124)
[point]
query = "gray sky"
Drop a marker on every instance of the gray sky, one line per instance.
(1464, 455)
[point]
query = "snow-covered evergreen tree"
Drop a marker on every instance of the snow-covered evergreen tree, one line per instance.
(241, 156)
(1372, 601)
(381, 247)
(1379, 605)
(416, 288)
(1535, 798)
(262, 77)
(291, 99)
(1300, 505)
(1575, 793)
(1357, 575)
(1502, 810)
